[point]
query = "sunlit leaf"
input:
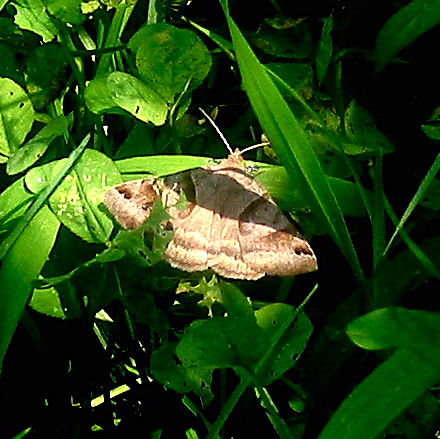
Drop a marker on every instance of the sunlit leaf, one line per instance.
(16, 116)
(31, 15)
(170, 58)
(77, 200)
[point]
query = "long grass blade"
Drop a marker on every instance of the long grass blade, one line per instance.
(291, 144)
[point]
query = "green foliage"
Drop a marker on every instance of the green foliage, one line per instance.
(170, 64)
(76, 200)
(119, 89)
(417, 17)
(35, 147)
(32, 15)
(325, 48)
(386, 392)
(410, 370)
(21, 266)
(174, 60)
(192, 353)
(17, 117)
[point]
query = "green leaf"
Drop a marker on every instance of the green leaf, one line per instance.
(414, 19)
(191, 434)
(122, 90)
(32, 150)
(431, 197)
(295, 75)
(178, 377)
(14, 202)
(222, 43)
(16, 116)
(47, 301)
(98, 97)
(68, 11)
(381, 397)
(27, 430)
(290, 198)
(432, 126)
(138, 142)
(170, 58)
(21, 265)
(283, 37)
(42, 198)
(31, 15)
(76, 202)
(421, 192)
(142, 306)
(160, 165)
(325, 48)
(221, 342)
(287, 342)
(360, 130)
(46, 68)
(414, 330)
(2, 5)
(111, 254)
(26, 156)
(402, 378)
(138, 98)
(236, 304)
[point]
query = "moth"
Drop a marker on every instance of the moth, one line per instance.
(230, 223)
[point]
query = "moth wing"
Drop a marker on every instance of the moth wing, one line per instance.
(225, 254)
(270, 243)
(131, 202)
(206, 236)
(187, 248)
(197, 247)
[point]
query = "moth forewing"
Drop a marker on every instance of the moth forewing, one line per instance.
(130, 203)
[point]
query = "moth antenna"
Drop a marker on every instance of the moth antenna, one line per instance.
(254, 146)
(228, 147)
